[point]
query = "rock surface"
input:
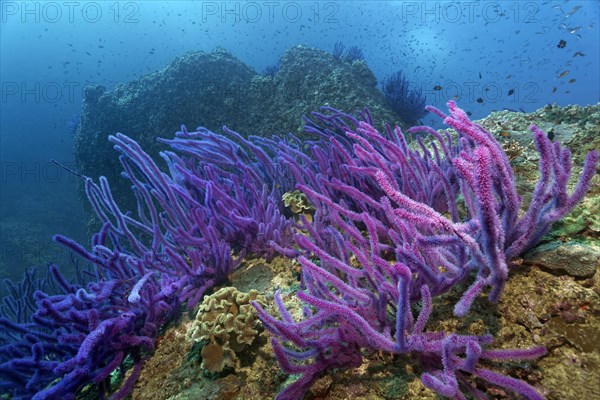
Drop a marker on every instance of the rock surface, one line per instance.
(574, 259)
(215, 89)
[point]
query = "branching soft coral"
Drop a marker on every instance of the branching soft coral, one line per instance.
(418, 245)
(432, 218)
(220, 200)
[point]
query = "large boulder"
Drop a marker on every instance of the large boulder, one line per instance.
(215, 89)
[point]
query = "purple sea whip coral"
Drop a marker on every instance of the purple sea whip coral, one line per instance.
(489, 190)
(220, 200)
(433, 217)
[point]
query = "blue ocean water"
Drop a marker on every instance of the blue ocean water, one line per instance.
(489, 55)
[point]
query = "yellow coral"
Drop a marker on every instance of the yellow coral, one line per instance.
(297, 202)
(228, 322)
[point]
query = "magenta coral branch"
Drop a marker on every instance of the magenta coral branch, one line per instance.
(393, 225)
(413, 248)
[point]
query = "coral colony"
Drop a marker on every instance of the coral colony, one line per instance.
(406, 101)
(392, 227)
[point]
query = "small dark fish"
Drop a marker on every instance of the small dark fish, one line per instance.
(480, 75)
(554, 89)
(572, 80)
(469, 113)
(437, 88)
(88, 53)
(551, 135)
(562, 44)
(479, 100)
(564, 73)
(578, 54)
(511, 91)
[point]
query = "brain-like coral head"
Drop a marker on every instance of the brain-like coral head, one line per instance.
(228, 323)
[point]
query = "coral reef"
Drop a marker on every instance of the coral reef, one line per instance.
(401, 238)
(188, 228)
(413, 250)
(536, 308)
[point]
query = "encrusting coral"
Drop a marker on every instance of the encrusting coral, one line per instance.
(229, 324)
